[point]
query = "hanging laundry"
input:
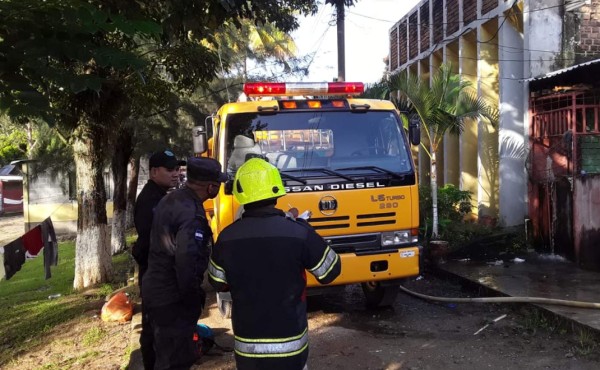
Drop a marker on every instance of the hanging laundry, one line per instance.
(32, 241)
(14, 257)
(50, 246)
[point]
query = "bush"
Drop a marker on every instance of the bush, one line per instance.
(453, 205)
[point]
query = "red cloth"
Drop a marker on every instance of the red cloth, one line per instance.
(32, 241)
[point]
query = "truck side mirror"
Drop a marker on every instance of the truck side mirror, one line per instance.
(199, 139)
(414, 131)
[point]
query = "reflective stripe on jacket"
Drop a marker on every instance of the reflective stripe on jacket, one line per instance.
(262, 259)
(275, 347)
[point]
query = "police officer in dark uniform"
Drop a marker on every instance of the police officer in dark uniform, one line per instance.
(262, 260)
(164, 175)
(179, 254)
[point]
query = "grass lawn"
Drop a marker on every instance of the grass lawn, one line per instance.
(26, 312)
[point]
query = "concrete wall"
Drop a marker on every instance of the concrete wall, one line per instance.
(544, 33)
(48, 196)
(512, 129)
(586, 221)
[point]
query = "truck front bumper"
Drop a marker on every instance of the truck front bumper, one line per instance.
(376, 266)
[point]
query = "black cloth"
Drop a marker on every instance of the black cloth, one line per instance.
(179, 253)
(14, 257)
(50, 246)
(143, 214)
(263, 258)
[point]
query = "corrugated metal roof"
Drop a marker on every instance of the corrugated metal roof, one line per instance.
(561, 71)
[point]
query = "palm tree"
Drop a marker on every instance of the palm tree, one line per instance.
(446, 104)
(263, 44)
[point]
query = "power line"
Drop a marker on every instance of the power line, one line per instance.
(418, 24)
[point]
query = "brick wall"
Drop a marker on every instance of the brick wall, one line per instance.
(452, 16)
(438, 20)
(589, 31)
(402, 38)
(488, 5)
(394, 49)
(424, 23)
(469, 11)
(413, 35)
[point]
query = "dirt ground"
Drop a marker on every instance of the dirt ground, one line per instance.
(414, 335)
(11, 227)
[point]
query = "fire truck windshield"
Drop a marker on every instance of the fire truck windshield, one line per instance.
(324, 143)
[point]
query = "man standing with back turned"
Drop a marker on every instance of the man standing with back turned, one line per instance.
(262, 260)
(164, 174)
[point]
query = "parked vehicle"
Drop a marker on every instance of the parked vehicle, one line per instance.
(345, 160)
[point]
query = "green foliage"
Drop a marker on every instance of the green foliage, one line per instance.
(453, 204)
(54, 50)
(587, 342)
(105, 290)
(13, 146)
(93, 336)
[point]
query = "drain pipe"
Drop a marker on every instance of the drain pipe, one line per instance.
(538, 300)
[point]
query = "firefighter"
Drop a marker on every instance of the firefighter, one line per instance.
(262, 260)
(179, 252)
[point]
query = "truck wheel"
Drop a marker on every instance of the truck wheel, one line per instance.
(378, 295)
(224, 304)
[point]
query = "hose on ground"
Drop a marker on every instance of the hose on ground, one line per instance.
(538, 300)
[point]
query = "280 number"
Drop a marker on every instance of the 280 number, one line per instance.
(388, 205)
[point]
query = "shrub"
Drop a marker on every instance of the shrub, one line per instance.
(453, 205)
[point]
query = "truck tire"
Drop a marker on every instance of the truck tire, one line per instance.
(378, 295)
(224, 304)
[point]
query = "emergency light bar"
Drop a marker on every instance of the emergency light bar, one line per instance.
(303, 88)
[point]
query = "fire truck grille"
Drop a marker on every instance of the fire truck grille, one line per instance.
(343, 222)
(375, 219)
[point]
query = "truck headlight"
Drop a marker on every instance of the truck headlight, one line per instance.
(399, 237)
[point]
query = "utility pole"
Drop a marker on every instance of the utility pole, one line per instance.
(341, 42)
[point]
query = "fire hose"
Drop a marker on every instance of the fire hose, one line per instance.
(538, 300)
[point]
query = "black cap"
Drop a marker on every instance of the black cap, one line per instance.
(204, 169)
(165, 159)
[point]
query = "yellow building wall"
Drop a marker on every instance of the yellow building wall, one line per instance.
(488, 88)
(468, 139)
(451, 141)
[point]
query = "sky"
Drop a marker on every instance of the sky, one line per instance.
(367, 39)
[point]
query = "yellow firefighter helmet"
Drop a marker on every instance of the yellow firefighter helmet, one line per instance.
(257, 180)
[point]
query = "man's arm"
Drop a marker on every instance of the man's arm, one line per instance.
(321, 260)
(216, 272)
(142, 218)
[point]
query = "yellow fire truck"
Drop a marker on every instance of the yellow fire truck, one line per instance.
(346, 160)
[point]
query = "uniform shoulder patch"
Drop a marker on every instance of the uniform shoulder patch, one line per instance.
(198, 234)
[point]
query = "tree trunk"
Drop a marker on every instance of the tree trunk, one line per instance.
(119, 163)
(132, 189)
(434, 197)
(93, 262)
